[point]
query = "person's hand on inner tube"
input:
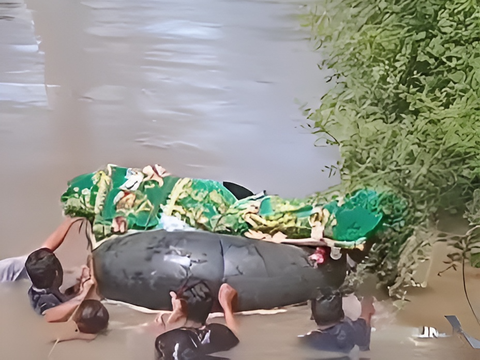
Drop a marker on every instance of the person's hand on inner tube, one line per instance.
(227, 297)
(178, 317)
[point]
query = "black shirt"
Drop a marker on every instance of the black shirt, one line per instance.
(191, 343)
(341, 337)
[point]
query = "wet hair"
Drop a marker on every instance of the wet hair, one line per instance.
(327, 308)
(199, 301)
(43, 268)
(91, 317)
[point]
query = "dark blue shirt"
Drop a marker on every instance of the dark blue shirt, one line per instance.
(195, 344)
(341, 337)
(43, 299)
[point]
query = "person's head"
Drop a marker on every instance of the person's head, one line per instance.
(91, 317)
(44, 269)
(199, 302)
(327, 308)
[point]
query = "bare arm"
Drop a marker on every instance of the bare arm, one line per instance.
(231, 322)
(367, 309)
(227, 296)
(169, 320)
(63, 311)
(58, 236)
(178, 316)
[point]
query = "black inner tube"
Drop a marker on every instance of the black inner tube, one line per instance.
(142, 268)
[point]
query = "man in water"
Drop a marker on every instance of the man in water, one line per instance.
(82, 318)
(195, 339)
(336, 332)
(13, 269)
(88, 320)
(45, 272)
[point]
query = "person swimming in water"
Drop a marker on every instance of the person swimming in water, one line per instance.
(88, 320)
(45, 272)
(13, 269)
(195, 339)
(80, 318)
(336, 332)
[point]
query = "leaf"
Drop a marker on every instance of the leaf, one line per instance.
(458, 76)
(475, 260)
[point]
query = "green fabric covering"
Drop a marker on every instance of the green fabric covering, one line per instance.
(358, 217)
(202, 200)
(208, 205)
(118, 178)
(353, 224)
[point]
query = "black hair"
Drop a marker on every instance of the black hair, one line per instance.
(199, 301)
(327, 308)
(91, 316)
(43, 268)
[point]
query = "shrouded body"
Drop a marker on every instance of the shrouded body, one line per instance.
(142, 268)
(116, 199)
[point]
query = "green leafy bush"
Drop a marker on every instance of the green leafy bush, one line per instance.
(405, 113)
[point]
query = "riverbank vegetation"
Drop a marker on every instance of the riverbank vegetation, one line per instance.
(405, 113)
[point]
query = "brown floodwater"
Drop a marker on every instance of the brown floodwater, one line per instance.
(210, 89)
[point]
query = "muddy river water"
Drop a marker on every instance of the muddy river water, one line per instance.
(210, 89)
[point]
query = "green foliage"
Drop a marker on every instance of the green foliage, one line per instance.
(466, 247)
(405, 114)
